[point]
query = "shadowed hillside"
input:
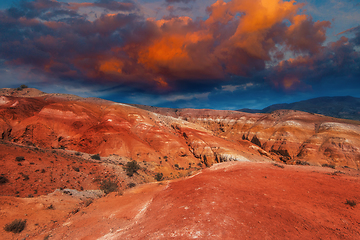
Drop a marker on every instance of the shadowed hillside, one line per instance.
(339, 107)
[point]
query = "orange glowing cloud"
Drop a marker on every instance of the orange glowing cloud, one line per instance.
(290, 82)
(238, 38)
(76, 6)
(111, 66)
(255, 15)
(173, 49)
(299, 61)
(176, 49)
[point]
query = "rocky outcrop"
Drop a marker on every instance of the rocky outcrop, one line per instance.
(285, 135)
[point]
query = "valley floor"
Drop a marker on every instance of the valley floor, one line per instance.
(233, 200)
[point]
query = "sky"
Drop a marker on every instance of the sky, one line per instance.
(183, 53)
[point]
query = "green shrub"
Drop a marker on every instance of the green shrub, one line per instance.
(23, 86)
(20, 159)
(131, 168)
(51, 207)
(15, 226)
(278, 165)
(328, 165)
(3, 179)
(131, 185)
(96, 156)
(351, 203)
(298, 162)
(108, 186)
(159, 177)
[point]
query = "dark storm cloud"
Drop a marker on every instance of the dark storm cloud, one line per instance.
(33, 9)
(356, 39)
(115, 5)
(179, 1)
(337, 60)
(174, 54)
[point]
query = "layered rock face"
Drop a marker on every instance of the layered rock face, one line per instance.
(284, 135)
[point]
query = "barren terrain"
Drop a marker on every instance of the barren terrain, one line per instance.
(204, 174)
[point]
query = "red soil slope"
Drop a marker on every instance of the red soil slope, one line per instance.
(97, 126)
(238, 200)
(43, 171)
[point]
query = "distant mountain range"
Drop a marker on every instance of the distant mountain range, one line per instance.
(340, 107)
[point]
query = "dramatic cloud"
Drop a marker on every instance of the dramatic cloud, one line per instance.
(338, 59)
(107, 4)
(119, 47)
(179, 1)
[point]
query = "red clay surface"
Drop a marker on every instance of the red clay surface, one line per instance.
(43, 171)
(235, 200)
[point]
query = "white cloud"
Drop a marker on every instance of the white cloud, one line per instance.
(187, 97)
(233, 88)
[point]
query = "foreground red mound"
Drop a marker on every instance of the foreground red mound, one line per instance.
(228, 201)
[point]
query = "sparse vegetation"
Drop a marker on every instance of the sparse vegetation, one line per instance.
(95, 156)
(21, 87)
(108, 186)
(159, 177)
(76, 169)
(15, 226)
(337, 173)
(26, 177)
(131, 185)
(298, 162)
(19, 159)
(278, 165)
(51, 207)
(328, 165)
(3, 179)
(131, 168)
(351, 203)
(87, 202)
